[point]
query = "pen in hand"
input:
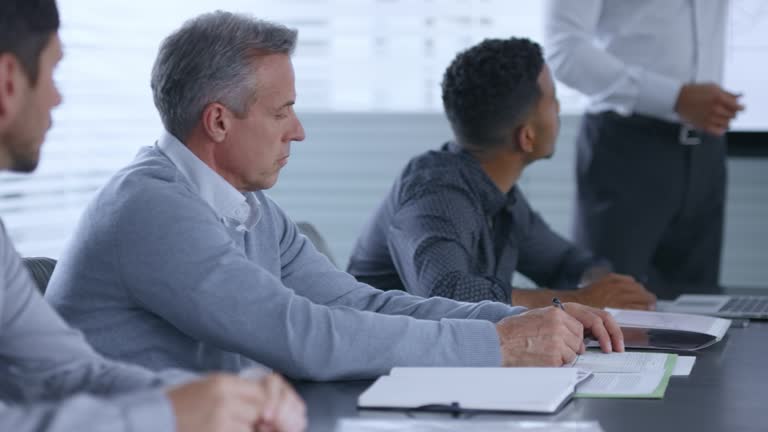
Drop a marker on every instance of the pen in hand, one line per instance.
(557, 303)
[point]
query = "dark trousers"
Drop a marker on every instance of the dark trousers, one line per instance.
(651, 205)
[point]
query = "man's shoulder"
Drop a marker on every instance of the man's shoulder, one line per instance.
(150, 182)
(276, 215)
(437, 172)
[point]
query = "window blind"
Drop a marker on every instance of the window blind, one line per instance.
(368, 74)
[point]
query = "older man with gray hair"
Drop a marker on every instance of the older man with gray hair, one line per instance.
(182, 260)
(51, 380)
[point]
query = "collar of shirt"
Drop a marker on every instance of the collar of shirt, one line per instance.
(493, 200)
(243, 211)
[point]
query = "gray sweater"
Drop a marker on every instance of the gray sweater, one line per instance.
(166, 269)
(50, 378)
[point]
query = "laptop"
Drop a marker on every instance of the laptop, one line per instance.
(726, 306)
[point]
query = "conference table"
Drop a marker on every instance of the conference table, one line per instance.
(726, 391)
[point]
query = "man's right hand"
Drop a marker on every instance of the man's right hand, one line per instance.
(707, 107)
(540, 337)
(228, 403)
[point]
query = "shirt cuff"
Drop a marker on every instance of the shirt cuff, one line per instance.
(657, 95)
(496, 311)
(147, 411)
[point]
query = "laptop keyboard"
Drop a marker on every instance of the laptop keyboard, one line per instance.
(750, 305)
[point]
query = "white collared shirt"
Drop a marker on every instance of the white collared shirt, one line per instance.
(633, 56)
(235, 209)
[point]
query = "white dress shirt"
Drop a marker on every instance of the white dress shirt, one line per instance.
(633, 56)
(235, 209)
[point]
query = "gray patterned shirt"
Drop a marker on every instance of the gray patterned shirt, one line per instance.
(446, 230)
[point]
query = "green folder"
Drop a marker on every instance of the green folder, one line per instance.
(657, 393)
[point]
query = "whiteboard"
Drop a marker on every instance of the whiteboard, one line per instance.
(746, 62)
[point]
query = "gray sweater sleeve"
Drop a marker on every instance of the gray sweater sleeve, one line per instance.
(136, 412)
(43, 363)
(40, 355)
(179, 262)
(303, 262)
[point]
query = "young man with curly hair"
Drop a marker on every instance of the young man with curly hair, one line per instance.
(455, 224)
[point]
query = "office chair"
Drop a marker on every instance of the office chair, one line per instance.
(314, 236)
(40, 268)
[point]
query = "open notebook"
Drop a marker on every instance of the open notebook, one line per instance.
(536, 390)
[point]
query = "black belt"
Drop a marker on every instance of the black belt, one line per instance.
(686, 135)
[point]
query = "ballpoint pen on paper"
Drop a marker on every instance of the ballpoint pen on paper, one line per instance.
(557, 303)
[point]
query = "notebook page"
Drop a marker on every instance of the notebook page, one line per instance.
(622, 384)
(599, 362)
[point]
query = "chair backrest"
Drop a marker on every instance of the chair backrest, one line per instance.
(314, 236)
(40, 268)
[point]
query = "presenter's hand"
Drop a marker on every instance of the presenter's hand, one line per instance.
(707, 107)
(223, 402)
(616, 291)
(540, 337)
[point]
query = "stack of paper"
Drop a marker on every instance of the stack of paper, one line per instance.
(632, 362)
(541, 390)
(625, 375)
(715, 327)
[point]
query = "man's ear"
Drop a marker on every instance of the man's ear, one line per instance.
(216, 121)
(526, 136)
(11, 78)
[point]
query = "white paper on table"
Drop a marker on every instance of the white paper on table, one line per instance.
(599, 362)
(684, 365)
(671, 321)
(607, 384)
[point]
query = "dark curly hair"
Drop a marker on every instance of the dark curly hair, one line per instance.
(489, 88)
(26, 27)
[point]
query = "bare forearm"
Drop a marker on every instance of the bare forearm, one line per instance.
(542, 297)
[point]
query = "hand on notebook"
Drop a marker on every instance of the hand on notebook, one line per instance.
(598, 324)
(615, 291)
(540, 337)
(551, 337)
